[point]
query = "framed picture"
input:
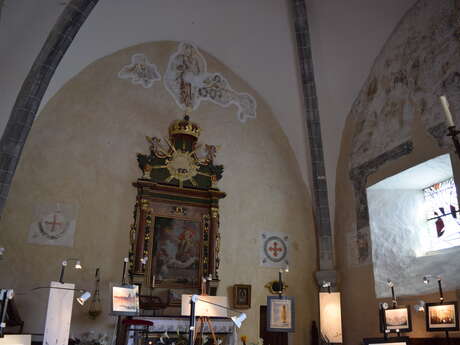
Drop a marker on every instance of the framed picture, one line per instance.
(177, 249)
(125, 299)
(394, 341)
(397, 320)
(242, 296)
(441, 316)
(280, 314)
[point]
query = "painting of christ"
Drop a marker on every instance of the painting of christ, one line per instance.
(176, 252)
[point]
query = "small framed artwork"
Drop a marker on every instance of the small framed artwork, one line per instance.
(125, 299)
(242, 296)
(394, 341)
(441, 316)
(280, 314)
(397, 320)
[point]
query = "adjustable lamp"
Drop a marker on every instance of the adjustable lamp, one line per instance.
(193, 305)
(64, 265)
(420, 306)
(83, 298)
(238, 320)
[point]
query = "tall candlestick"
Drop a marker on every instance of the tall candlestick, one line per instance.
(447, 112)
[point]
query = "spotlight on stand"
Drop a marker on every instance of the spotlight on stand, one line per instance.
(420, 306)
(384, 305)
(238, 320)
(83, 298)
(207, 306)
(390, 283)
(77, 266)
(326, 285)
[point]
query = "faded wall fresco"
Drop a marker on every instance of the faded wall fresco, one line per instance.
(418, 63)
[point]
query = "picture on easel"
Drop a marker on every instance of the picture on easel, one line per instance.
(397, 320)
(441, 317)
(125, 299)
(280, 314)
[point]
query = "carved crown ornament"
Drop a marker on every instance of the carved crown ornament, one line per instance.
(180, 160)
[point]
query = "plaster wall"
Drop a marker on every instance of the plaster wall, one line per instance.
(253, 38)
(346, 38)
(400, 236)
(357, 282)
(389, 111)
(82, 149)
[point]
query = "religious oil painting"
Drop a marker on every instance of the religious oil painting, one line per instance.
(398, 319)
(281, 314)
(242, 296)
(442, 316)
(125, 299)
(177, 247)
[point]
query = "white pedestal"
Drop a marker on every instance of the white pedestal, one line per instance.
(16, 339)
(59, 314)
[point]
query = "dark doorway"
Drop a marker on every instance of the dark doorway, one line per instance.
(270, 338)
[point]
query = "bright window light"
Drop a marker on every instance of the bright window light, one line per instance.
(443, 219)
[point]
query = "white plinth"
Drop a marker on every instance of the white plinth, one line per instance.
(16, 339)
(59, 314)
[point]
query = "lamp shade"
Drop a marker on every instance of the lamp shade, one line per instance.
(83, 298)
(330, 316)
(238, 320)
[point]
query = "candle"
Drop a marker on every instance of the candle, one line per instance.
(447, 112)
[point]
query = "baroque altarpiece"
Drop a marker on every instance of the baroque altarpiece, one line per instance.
(175, 235)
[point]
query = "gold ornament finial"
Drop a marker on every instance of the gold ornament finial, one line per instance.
(184, 126)
(188, 110)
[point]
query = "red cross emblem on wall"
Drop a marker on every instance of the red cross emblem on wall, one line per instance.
(275, 249)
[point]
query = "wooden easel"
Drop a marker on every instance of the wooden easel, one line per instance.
(203, 319)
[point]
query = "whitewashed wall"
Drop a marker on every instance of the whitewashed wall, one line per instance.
(252, 37)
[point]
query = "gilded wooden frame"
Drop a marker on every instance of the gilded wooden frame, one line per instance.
(155, 201)
(241, 296)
